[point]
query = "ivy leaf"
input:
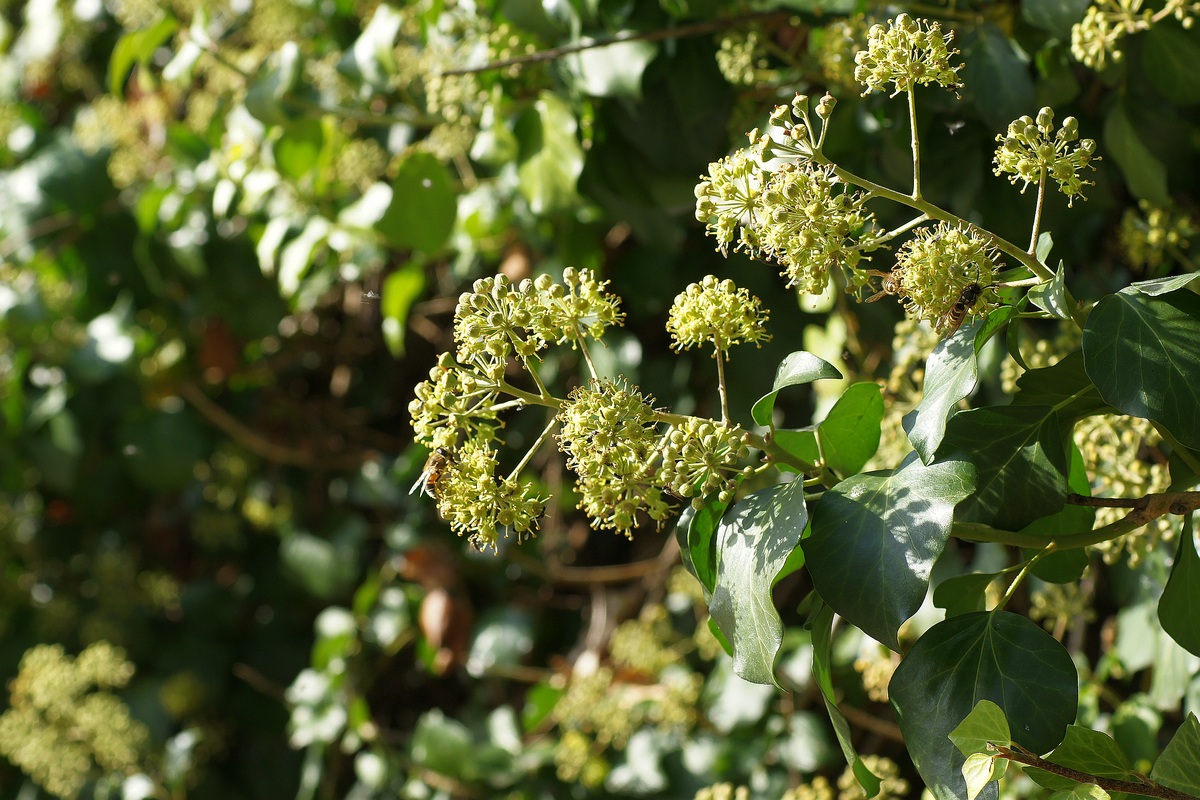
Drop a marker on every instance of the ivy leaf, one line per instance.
(963, 594)
(1169, 58)
(986, 724)
(1176, 767)
(1143, 353)
(997, 656)
(1145, 175)
(137, 47)
(1163, 285)
(1065, 566)
(875, 537)
(1020, 463)
(612, 71)
(755, 542)
(1054, 16)
(423, 206)
(1065, 387)
(822, 642)
(797, 368)
(950, 375)
(696, 535)
(1179, 606)
(849, 434)
(1052, 297)
(993, 62)
(550, 156)
(1085, 750)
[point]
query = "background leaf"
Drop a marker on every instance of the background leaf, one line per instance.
(423, 205)
(1145, 174)
(875, 538)
(997, 656)
(950, 375)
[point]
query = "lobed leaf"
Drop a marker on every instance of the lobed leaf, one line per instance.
(796, 369)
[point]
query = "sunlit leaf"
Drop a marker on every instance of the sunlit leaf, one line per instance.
(796, 369)
(950, 375)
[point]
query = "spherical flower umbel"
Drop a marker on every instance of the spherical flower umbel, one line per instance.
(1029, 152)
(700, 457)
(576, 308)
(454, 403)
(1148, 235)
(609, 434)
(728, 198)
(812, 222)
(717, 313)
(496, 320)
(906, 53)
(478, 503)
(944, 270)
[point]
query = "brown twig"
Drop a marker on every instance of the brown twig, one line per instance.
(1143, 788)
(615, 573)
(694, 29)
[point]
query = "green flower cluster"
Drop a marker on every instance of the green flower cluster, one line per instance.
(1095, 40)
(648, 644)
(727, 201)
(906, 53)
(700, 457)
(742, 59)
(945, 273)
(1147, 237)
(63, 727)
(1029, 152)
(478, 503)
(608, 432)
(723, 791)
(837, 45)
(717, 313)
(454, 403)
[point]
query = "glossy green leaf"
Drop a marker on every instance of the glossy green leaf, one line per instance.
(1020, 463)
(963, 594)
(424, 204)
(696, 535)
(1169, 58)
(822, 642)
(755, 540)
(950, 375)
(979, 770)
(992, 323)
(137, 47)
(849, 434)
(1159, 286)
(996, 75)
(1143, 353)
(796, 369)
(1179, 606)
(1145, 175)
(875, 537)
(1176, 767)
(551, 158)
(612, 71)
(1093, 752)
(997, 656)
(1052, 297)
(299, 147)
(802, 443)
(986, 724)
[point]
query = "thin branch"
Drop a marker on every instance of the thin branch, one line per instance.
(916, 145)
(1037, 214)
(722, 389)
(1110, 785)
(683, 31)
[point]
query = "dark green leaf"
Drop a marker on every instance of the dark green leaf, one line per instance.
(696, 534)
(1065, 387)
(1092, 752)
(963, 594)
(997, 656)
(950, 375)
(850, 432)
(797, 368)
(1065, 566)
(1176, 767)
(1054, 16)
(551, 158)
(755, 540)
(1169, 58)
(1052, 297)
(992, 323)
(1020, 464)
(1143, 353)
(822, 642)
(1179, 606)
(996, 76)
(875, 538)
(1144, 174)
(423, 205)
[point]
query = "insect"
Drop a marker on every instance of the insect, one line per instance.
(431, 476)
(889, 285)
(953, 319)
